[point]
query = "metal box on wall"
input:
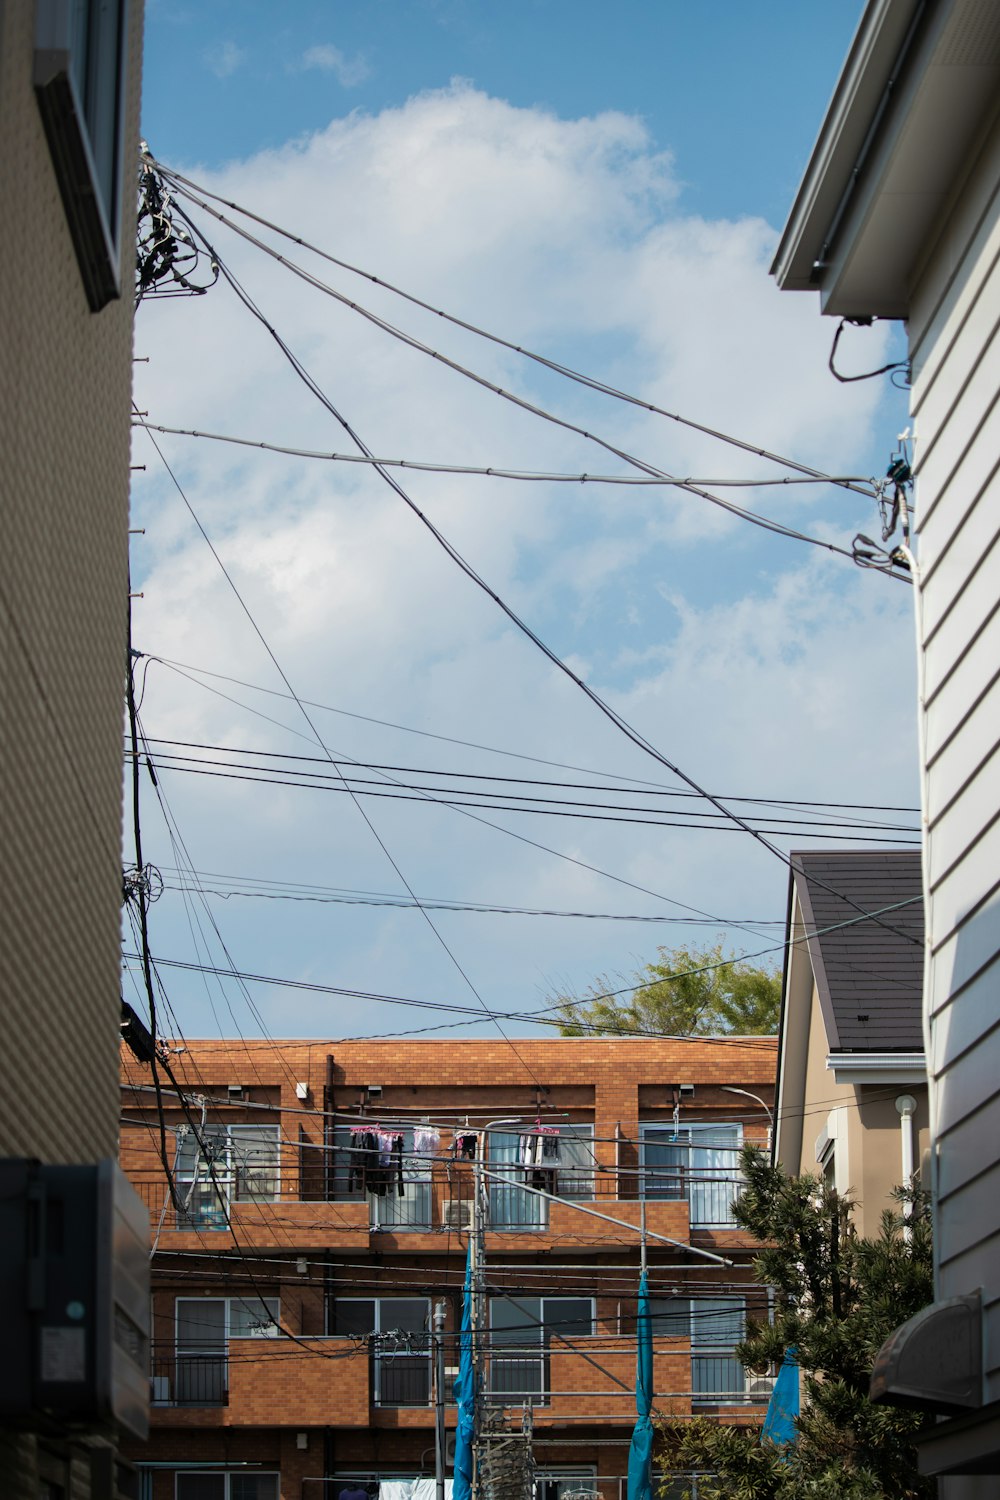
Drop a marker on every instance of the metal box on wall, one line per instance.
(74, 1264)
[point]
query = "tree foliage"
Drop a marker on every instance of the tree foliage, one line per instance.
(837, 1298)
(685, 992)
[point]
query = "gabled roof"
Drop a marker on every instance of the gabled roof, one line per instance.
(869, 970)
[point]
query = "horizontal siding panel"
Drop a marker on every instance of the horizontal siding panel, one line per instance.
(958, 610)
(967, 954)
(957, 760)
(971, 1220)
(951, 700)
(955, 893)
(968, 1084)
(956, 532)
(939, 460)
(963, 261)
(971, 1150)
(956, 828)
(934, 399)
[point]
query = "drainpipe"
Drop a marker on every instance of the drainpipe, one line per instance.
(906, 1106)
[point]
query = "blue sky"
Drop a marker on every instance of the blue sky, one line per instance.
(604, 188)
(735, 90)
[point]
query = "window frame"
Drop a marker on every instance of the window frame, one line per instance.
(650, 1132)
(227, 1475)
(209, 1350)
(522, 1354)
(380, 1358)
(418, 1193)
(80, 77)
(213, 1211)
(510, 1192)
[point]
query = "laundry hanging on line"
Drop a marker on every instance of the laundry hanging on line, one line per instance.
(376, 1161)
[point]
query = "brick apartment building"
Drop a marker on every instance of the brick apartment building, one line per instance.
(295, 1277)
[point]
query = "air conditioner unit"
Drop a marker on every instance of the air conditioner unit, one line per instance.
(759, 1387)
(457, 1213)
(159, 1389)
(449, 1449)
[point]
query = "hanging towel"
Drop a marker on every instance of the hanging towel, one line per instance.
(426, 1142)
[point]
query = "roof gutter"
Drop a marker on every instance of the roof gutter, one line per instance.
(822, 262)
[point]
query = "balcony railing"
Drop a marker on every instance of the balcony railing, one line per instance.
(402, 1380)
(182, 1378)
(706, 1190)
(718, 1380)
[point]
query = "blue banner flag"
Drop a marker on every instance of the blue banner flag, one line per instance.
(640, 1453)
(465, 1396)
(783, 1407)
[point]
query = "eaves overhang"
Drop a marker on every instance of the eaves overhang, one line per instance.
(919, 87)
(878, 1067)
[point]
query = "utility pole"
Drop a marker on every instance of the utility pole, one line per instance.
(439, 1394)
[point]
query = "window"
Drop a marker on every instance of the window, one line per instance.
(397, 1331)
(224, 1164)
(79, 78)
(522, 1330)
(390, 1209)
(227, 1486)
(699, 1164)
(204, 1326)
(715, 1326)
(571, 1176)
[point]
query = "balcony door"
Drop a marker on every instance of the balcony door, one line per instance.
(396, 1329)
(697, 1163)
(522, 1330)
(203, 1329)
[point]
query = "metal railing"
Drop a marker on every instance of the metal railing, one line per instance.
(188, 1378)
(718, 1380)
(401, 1380)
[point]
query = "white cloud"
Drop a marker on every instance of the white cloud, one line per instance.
(763, 668)
(225, 58)
(348, 71)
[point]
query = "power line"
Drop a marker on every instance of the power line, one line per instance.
(493, 471)
(611, 714)
(777, 527)
(181, 183)
(535, 1018)
(513, 754)
(319, 740)
(203, 767)
(780, 802)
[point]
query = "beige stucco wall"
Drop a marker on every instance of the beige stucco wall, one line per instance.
(65, 383)
(861, 1118)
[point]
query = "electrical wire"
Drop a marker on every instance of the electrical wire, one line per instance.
(255, 776)
(190, 188)
(321, 743)
(657, 789)
(611, 714)
(536, 1017)
(510, 754)
(492, 472)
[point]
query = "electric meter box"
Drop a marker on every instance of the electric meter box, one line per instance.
(74, 1266)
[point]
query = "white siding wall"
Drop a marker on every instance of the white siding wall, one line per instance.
(955, 339)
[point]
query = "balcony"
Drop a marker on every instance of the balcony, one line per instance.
(271, 1382)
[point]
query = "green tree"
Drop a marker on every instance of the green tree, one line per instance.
(685, 992)
(837, 1298)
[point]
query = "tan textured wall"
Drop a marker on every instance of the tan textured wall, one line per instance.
(65, 382)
